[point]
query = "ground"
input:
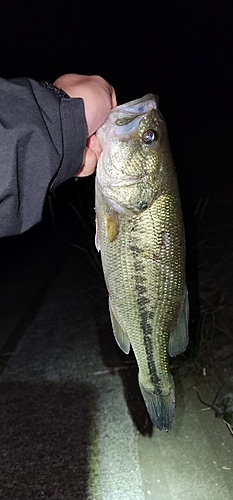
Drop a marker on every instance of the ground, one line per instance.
(71, 409)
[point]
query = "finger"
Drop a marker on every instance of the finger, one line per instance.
(93, 143)
(89, 163)
(113, 96)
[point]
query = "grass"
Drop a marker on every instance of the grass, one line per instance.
(222, 409)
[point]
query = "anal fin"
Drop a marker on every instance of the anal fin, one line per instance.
(179, 338)
(119, 333)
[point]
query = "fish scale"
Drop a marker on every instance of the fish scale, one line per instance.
(141, 238)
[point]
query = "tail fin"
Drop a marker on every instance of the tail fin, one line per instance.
(160, 408)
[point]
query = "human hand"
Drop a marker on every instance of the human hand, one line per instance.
(99, 98)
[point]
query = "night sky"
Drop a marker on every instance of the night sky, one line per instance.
(182, 51)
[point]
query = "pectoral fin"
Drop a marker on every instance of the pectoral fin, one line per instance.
(112, 226)
(120, 334)
(179, 338)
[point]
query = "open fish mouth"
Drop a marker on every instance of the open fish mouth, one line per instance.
(141, 105)
(124, 119)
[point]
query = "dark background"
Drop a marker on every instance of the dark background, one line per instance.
(182, 51)
(50, 276)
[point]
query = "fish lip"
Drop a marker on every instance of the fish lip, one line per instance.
(136, 108)
(147, 97)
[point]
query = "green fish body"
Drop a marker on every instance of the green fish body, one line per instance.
(141, 238)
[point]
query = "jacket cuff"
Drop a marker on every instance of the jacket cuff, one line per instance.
(74, 133)
(59, 93)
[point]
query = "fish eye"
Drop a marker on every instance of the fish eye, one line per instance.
(150, 136)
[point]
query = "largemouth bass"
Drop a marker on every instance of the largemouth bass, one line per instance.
(141, 238)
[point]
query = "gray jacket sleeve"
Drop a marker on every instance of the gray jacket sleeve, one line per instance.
(42, 141)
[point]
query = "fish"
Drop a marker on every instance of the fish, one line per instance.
(140, 235)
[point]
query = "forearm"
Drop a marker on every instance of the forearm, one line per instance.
(42, 141)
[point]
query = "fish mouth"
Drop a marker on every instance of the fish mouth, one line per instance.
(141, 105)
(124, 119)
